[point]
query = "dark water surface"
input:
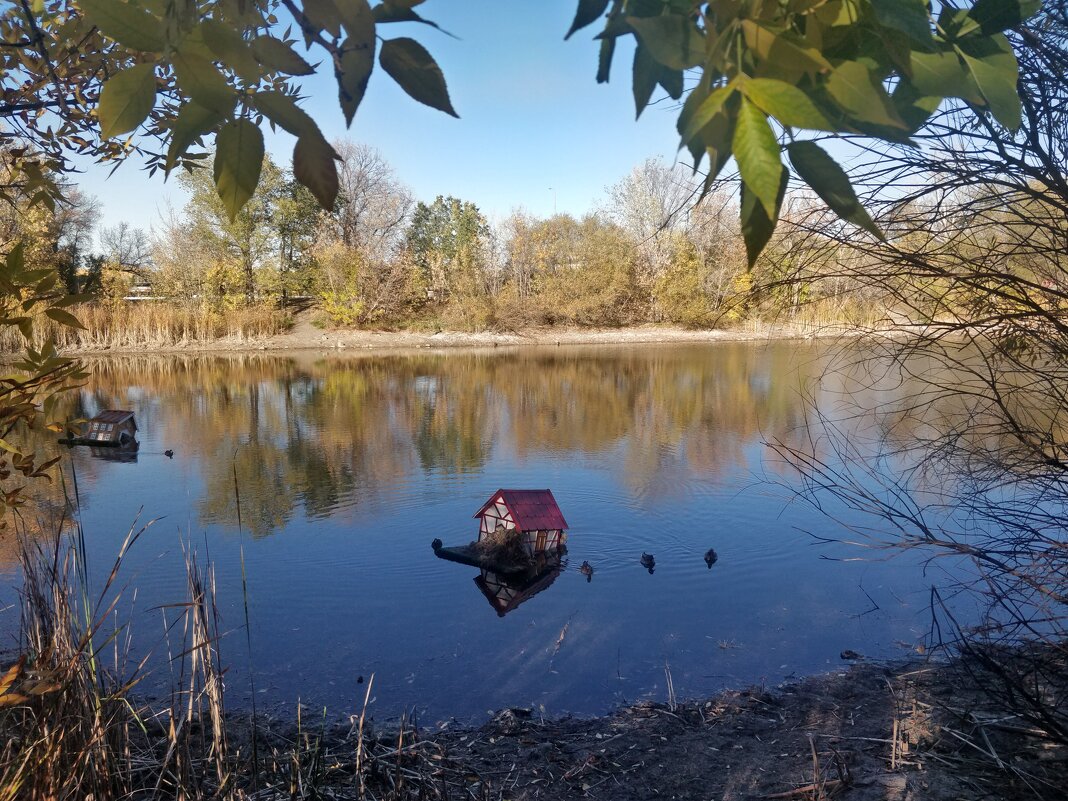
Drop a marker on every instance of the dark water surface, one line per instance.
(349, 466)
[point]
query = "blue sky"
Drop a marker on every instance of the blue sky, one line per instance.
(534, 122)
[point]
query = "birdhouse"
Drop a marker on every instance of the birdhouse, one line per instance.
(533, 514)
(112, 428)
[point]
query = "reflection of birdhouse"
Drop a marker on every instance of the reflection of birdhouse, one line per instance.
(506, 592)
(112, 428)
(533, 513)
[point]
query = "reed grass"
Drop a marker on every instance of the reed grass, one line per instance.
(156, 325)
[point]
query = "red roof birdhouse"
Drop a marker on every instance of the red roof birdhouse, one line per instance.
(533, 513)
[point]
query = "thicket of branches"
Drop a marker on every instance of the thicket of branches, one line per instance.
(977, 256)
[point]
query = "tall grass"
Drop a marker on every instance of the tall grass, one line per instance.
(72, 725)
(158, 325)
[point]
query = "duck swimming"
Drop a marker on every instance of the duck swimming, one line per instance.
(710, 557)
(648, 562)
(169, 453)
(586, 569)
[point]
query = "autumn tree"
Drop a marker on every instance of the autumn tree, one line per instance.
(445, 239)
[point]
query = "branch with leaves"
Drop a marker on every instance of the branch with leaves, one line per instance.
(769, 71)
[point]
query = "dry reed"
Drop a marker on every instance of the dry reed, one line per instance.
(154, 324)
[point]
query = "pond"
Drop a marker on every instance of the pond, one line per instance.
(347, 466)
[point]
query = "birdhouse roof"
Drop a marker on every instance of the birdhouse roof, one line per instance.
(531, 509)
(113, 416)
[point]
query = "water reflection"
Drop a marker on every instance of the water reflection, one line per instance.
(321, 436)
(506, 591)
(346, 467)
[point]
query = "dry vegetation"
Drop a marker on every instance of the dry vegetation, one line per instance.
(75, 728)
(120, 326)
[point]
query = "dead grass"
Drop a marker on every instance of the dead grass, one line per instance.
(154, 325)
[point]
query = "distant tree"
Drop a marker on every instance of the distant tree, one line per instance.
(240, 246)
(444, 238)
(373, 205)
(127, 249)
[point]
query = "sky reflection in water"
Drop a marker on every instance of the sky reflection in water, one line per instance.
(348, 467)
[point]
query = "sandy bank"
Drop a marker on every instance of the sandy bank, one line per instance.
(306, 337)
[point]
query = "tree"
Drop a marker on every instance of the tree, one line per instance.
(127, 250)
(240, 246)
(373, 206)
(445, 239)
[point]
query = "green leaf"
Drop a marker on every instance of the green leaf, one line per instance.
(200, 81)
(908, 16)
(129, 25)
(956, 24)
(757, 152)
(788, 104)
(238, 161)
(588, 12)
(671, 81)
(995, 16)
(716, 140)
(278, 56)
(324, 14)
(993, 65)
(830, 182)
(860, 93)
(672, 39)
(415, 71)
(16, 257)
(646, 72)
(7, 446)
(781, 51)
(314, 165)
(64, 318)
(282, 110)
(604, 59)
(126, 99)
(708, 108)
(915, 109)
(228, 47)
(357, 63)
(192, 122)
(757, 224)
(942, 74)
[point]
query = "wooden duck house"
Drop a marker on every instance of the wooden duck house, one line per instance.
(533, 513)
(112, 428)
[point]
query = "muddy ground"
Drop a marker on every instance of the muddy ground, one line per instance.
(893, 733)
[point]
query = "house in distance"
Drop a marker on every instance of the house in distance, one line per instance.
(533, 513)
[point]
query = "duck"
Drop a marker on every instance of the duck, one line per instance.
(648, 562)
(710, 557)
(586, 569)
(169, 453)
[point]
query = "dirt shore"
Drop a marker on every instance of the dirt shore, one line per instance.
(304, 336)
(893, 733)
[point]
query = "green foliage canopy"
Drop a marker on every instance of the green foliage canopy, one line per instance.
(771, 69)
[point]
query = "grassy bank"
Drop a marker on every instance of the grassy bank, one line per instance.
(140, 327)
(133, 326)
(76, 727)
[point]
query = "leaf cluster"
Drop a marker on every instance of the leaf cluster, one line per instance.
(182, 73)
(769, 70)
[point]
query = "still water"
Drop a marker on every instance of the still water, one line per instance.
(348, 466)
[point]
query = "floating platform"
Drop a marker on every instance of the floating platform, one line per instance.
(472, 555)
(72, 441)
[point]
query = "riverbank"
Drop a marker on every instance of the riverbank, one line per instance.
(888, 732)
(304, 336)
